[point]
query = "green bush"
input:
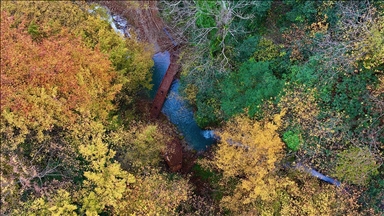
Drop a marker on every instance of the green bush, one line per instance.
(249, 88)
(356, 165)
(292, 139)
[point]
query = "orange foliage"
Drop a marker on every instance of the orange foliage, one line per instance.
(73, 77)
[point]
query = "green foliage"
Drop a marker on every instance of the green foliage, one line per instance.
(347, 93)
(208, 108)
(33, 30)
(266, 50)
(201, 79)
(261, 9)
(204, 18)
(292, 139)
(132, 60)
(373, 196)
(246, 49)
(202, 173)
(356, 165)
(258, 11)
(140, 147)
(249, 88)
(213, 178)
(302, 11)
(351, 93)
(306, 73)
(59, 203)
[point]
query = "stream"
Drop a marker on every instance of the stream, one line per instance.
(175, 107)
(177, 110)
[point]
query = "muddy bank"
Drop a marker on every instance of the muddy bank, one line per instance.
(147, 25)
(145, 18)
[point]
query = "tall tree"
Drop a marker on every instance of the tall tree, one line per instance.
(249, 88)
(249, 150)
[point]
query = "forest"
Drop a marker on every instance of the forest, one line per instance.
(293, 91)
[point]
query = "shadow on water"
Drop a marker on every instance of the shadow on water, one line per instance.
(162, 61)
(176, 109)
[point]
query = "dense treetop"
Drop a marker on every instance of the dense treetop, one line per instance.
(287, 86)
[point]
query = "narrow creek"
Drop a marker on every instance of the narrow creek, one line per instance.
(177, 110)
(175, 107)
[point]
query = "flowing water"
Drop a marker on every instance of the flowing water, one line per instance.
(177, 110)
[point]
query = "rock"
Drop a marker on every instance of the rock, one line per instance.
(174, 155)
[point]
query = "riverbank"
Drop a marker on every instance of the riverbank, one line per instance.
(148, 27)
(145, 18)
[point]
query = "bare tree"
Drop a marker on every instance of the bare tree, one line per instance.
(185, 16)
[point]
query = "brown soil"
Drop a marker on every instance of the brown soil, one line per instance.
(174, 155)
(149, 27)
(145, 18)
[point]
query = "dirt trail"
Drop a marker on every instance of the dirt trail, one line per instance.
(144, 17)
(149, 27)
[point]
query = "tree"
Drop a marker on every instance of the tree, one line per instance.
(130, 59)
(59, 203)
(105, 183)
(140, 147)
(249, 150)
(59, 78)
(266, 50)
(60, 70)
(249, 88)
(356, 165)
(306, 196)
(156, 193)
(45, 87)
(210, 25)
(352, 39)
(331, 111)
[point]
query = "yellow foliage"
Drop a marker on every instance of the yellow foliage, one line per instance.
(370, 49)
(105, 181)
(191, 92)
(155, 194)
(140, 146)
(250, 149)
(267, 50)
(301, 105)
(319, 27)
(356, 165)
(56, 204)
(313, 199)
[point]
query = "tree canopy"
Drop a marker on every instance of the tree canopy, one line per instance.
(293, 92)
